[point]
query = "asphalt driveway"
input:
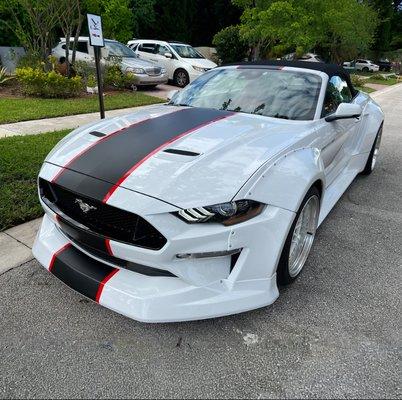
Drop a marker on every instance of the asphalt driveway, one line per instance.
(334, 333)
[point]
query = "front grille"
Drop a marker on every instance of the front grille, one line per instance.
(153, 71)
(103, 219)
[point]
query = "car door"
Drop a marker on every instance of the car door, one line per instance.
(146, 51)
(337, 137)
(82, 52)
(166, 62)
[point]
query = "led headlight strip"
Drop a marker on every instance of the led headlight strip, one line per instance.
(229, 213)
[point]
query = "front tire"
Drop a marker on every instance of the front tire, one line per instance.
(181, 78)
(373, 156)
(365, 69)
(300, 238)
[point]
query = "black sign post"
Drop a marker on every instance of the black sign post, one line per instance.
(97, 42)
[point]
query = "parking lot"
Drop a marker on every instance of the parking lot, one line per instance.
(333, 334)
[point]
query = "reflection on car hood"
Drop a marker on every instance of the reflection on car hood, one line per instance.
(201, 62)
(215, 154)
(128, 62)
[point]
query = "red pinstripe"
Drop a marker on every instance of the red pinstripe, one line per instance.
(103, 283)
(58, 252)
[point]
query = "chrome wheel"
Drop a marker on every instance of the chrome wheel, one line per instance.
(181, 78)
(303, 235)
(376, 149)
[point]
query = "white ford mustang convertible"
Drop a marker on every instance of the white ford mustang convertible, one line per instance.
(201, 207)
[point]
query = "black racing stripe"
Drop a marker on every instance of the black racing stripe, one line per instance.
(80, 272)
(113, 156)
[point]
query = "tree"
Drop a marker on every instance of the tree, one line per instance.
(34, 23)
(70, 21)
(341, 28)
(229, 45)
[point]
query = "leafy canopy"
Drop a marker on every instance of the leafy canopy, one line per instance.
(342, 28)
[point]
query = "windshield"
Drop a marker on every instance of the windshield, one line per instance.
(269, 92)
(186, 51)
(117, 49)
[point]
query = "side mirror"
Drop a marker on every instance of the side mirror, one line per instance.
(171, 94)
(168, 55)
(104, 52)
(345, 111)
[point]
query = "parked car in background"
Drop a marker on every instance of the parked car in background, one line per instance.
(384, 64)
(311, 57)
(362, 65)
(147, 73)
(182, 61)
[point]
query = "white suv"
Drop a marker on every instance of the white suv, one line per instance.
(182, 62)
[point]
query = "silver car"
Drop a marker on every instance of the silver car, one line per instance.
(148, 73)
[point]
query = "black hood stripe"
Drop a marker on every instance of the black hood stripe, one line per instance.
(115, 156)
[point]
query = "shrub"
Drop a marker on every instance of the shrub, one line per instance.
(116, 78)
(229, 45)
(36, 82)
(84, 70)
(379, 77)
(357, 80)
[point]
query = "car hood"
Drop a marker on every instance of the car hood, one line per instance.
(128, 62)
(205, 159)
(201, 62)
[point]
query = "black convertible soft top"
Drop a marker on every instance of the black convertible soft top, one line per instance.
(330, 69)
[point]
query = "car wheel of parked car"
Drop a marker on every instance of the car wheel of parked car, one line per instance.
(300, 238)
(365, 69)
(372, 159)
(181, 78)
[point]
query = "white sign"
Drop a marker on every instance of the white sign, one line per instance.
(95, 30)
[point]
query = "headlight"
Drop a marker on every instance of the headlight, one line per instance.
(163, 70)
(135, 70)
(199, 69)
(225, 213)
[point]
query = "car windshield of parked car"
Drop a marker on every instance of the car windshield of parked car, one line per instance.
(269, 92)
(117, 49)
(185, 51)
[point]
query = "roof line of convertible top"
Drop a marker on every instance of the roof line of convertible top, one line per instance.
(330, 69)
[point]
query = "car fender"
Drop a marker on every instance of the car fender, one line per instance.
(285, 181)
(373, 119)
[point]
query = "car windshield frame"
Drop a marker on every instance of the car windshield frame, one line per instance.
(256, 91)
(126, 51)
(176, 47)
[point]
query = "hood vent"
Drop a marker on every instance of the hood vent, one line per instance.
(182, 152)
(97, 134)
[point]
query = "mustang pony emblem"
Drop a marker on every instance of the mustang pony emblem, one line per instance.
(84, 206)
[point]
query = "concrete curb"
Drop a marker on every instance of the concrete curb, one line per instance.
(16, 245)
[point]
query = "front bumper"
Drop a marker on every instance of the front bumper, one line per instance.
(191, 289)
(144, 79)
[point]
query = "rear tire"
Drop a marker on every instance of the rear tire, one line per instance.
(365, 69)
(300, 238)
(181, 78)
(372, 158)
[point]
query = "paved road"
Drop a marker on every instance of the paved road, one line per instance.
(334, 333)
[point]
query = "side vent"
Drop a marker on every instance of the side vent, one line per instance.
(182, 152)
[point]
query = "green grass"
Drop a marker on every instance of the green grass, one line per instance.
(389, 82)
(20, 160)
(365, 89)
(24, 109)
